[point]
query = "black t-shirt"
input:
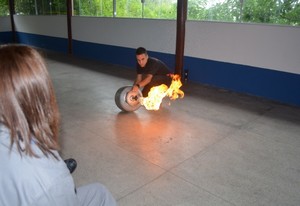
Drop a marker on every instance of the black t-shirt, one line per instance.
(153, 66)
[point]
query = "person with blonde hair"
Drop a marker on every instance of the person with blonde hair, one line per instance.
(31, 169)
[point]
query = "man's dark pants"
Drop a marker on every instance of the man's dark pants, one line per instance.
(156, 81)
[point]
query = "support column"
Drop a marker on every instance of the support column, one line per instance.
(12, 21)
(69, 23)
(180, 35)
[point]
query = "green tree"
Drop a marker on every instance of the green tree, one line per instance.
(272, 11)
(24, 7)
(102, 8)
(227, 11)
(197, 9)
(289, 12)
(257, 11)
(40, 7)
(129, 8)
(4, 10)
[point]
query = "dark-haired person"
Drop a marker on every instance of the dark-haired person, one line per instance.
(150, 72)
(32, 172)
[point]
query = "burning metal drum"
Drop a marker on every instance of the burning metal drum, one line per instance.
(128, 100)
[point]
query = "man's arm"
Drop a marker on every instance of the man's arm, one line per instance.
(138, 79)
(139, 82)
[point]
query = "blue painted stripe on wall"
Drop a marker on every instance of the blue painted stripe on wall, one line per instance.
(41, 41)
(115, 54)
(271, 84)
(106, 53)
(6, 37)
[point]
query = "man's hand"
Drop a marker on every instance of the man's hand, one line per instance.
(135, 88)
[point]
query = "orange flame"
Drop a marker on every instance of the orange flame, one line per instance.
(156, 94)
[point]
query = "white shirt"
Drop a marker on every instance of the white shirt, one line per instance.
(32, 181)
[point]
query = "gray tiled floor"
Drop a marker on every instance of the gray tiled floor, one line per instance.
(212, 147)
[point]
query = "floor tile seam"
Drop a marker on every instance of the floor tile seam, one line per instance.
(246, 128)
(63, 104)
(201, 188)
(203, 153)
(63, 126)
(130, 152)
(265, 141)
(64, 92)
(91, 132)
(74, 89)
(230, 124)
(256, 117)
(259, 115)
(141, 157)
(286, 121)
(103, 138)
(143, 185)
(206, 149)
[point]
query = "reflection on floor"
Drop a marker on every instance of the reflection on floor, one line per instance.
(212, 147)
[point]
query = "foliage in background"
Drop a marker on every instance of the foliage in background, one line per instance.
(40, 7)
(245, 11)
(4, 10)
(103, 8)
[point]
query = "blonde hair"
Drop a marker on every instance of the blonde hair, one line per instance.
(28, 105)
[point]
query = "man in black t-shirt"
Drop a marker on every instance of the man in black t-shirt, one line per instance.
(150, 72)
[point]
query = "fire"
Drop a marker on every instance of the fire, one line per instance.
(156, 94)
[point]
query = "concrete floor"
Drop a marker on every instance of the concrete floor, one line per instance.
(212, 147)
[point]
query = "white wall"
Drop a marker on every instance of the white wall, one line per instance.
(5, 24)
(266, 46)
(153, 34)
(55, 26)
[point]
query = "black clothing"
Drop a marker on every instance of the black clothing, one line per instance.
(159, 71)
(153, 66)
